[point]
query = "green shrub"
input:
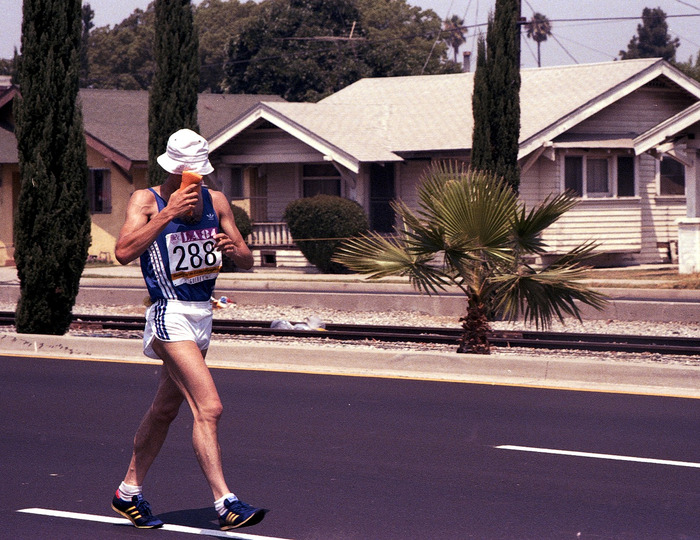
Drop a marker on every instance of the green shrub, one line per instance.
(245, 227)
(243, 222)
(319, 224)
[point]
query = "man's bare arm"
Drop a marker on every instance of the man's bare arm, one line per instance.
(230, 241)
(144, 223)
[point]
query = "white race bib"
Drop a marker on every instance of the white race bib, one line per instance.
(193, 257)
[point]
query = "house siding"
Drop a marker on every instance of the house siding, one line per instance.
(636, 113)
(540, 180)
(408, 180)
(638, 229)
(105, 227)
(256, 146)
(616, 225)
(282, 188)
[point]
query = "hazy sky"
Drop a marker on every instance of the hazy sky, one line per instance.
(573, 41)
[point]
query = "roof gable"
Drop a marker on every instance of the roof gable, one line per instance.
(665, 130)
(556, 99)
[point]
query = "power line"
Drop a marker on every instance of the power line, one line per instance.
(585, 19)
(604, 53)
(610, 19)
(687, 4)
(564, 49)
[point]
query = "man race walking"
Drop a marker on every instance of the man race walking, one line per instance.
(180, 234)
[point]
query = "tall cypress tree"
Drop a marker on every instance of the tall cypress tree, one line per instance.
(173, 97)
(499, 95)
(481, 158)
(52, 225)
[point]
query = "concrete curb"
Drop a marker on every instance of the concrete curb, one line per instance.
(598, 375)
(635, 305)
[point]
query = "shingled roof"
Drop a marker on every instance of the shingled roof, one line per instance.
(116, 121)
(381, 119)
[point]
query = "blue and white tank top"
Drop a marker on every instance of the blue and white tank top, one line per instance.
(182, 263)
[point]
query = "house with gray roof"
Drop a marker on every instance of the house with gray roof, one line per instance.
(116, 132)
(622, 135)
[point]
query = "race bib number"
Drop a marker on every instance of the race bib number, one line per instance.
(193, 257)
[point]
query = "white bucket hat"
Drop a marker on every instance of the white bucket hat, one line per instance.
(186, 151)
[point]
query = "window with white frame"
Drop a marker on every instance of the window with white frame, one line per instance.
(599, 175)
(320, 179)
(671, 177)
(99, 191)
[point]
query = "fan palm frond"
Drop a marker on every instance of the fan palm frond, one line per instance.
(379, 256)
(553, 292)
(474, 210)
(528, 227)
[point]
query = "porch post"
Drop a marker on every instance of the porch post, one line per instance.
(689, 227)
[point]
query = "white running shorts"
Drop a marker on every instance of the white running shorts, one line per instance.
(177, 320)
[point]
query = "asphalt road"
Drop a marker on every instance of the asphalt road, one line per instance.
(352, 458)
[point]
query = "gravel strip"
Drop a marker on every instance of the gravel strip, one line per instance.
(408, 318)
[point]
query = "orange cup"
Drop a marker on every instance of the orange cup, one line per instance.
(188, 178)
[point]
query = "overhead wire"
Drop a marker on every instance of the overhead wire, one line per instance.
(598, 20)
(687, 4)
(437, 39)
(591, 20)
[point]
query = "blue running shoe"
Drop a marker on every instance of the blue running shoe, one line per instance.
(239, 514)
(138, 511)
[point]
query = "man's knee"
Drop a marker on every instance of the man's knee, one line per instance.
(211, 411)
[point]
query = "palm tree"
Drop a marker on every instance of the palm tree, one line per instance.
(539, 29)
(471, 231)
(454, 28)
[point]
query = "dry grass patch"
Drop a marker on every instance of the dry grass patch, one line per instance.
(661, 278)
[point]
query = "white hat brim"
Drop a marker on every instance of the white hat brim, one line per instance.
(178, 167)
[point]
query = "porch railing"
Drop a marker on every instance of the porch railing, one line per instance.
(271, 234)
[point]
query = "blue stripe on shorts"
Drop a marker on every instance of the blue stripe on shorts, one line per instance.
(159, 320)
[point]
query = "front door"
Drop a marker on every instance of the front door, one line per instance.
(258, 195)
(381, 193)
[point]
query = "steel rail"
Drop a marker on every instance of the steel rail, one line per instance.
(450, 336)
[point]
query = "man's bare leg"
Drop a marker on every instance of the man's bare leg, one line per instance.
(187, 370)
(153, 429)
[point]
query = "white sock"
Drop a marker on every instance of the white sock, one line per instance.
(219, 503)
(127, 491)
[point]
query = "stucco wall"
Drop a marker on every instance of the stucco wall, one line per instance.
(9, 190)
(105, 227)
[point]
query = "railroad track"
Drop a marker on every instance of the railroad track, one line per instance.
(526, 339)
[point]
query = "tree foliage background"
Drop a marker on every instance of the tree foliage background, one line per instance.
(305, 50)
(52, 223)
(652, 39)
(298, 49)
(172, 101)
(121, 57)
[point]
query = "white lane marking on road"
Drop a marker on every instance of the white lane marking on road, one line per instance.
(600, 456)
(166, 527)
